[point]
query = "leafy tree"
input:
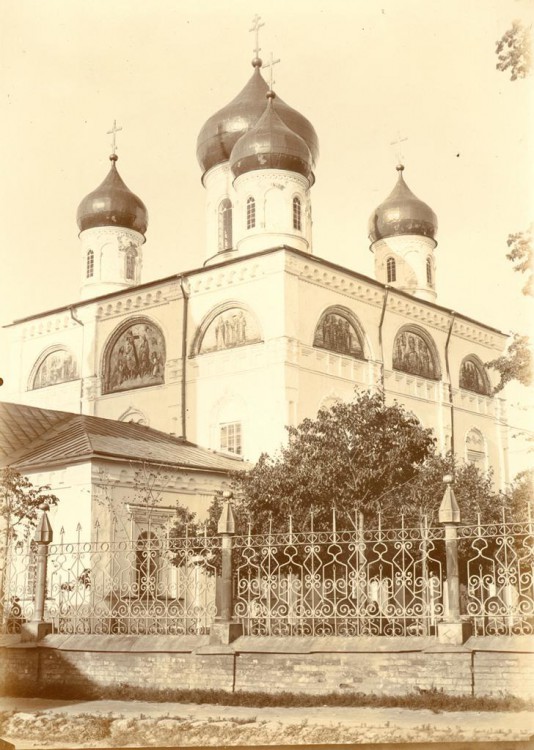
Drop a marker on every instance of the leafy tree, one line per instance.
(20, 501)
(515, 364)
(513, 51)
(522, 257)
(352, 456)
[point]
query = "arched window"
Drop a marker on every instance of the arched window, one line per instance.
(297, 213)
(225, 225)
(429, 271)
(147, 564)
(90, 264)
(414, 353)
(391, 270)
(251, 213)
(130, 266)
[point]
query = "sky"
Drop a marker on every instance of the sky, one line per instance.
(365, 72)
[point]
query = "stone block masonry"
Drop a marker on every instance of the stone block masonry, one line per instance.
(384, 666)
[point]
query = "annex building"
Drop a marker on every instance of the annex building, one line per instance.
(264, 330)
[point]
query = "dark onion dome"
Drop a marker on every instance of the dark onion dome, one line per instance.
(112, 204)
(270, 144)
(221, 132)
(402, 213)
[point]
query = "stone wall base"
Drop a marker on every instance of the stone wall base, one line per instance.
(496, 666)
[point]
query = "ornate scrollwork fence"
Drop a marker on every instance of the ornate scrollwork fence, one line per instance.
(499, 576)
(379, 581)
(358, 582)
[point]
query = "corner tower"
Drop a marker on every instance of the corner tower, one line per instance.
(112, 222)
(402, 231)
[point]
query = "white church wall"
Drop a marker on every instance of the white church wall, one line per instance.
(72, 486)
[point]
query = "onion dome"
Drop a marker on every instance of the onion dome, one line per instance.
(402, 213)
(112, 204)
(270, 144)
(221, 132)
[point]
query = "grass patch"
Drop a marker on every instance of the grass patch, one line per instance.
(433, 700)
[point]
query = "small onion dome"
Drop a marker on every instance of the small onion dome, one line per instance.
(402, 213)
(112, 204)
(270, 144)
(221, 132)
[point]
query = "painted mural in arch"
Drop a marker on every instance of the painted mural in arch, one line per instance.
(57, 367)
(412, 354)
(337, 333)
(231, 328)
(135, 359)
(472, 378)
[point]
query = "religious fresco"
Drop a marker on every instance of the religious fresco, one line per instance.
(136, 359)
(57, 367)
(233, 327)
(412, 354)
(472, 378)
(336, 333)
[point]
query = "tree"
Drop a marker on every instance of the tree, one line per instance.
(515, 364)
(513, 51)
(352, 456)
(20, 501)
(521, 256)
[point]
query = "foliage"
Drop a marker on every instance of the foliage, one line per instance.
(513, 51)
(515, 364)
(522, 256)
(352, 456)
(20, 501)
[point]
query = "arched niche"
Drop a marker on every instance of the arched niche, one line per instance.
(414, 352)
(54, 366)
(475, 448)
(134, 357)
(228, 326)
(473, 376)
(134, 416)
(339, 331)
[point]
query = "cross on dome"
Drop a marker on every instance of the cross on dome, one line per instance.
(256, 26)
(271, 66)
(113, 132)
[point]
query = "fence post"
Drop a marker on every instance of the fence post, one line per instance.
(225, 629)
(451, 630)
(37, 628)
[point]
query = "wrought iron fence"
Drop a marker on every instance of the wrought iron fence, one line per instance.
(151, 585)
(358, 582)
(498, 593)
(377, 581)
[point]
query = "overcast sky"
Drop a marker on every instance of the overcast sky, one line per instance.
(364, 72)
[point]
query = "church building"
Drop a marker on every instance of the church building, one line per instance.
(265, 329)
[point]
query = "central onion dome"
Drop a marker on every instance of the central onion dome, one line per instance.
(221, 132)
(270, 144)
(402, 213)
(112, 204)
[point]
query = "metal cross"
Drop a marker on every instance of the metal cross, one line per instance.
(271, 66)
(398, 152)
(114, 130)
(256, 26)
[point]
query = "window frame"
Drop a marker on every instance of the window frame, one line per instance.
(297, 213)
(231, 438)
(90, 264)
(225, 237)
(251, 213)
(391, 270)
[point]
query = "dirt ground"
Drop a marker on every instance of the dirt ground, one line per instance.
(37, 723)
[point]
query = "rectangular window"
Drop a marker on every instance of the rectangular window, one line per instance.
(231, 437)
